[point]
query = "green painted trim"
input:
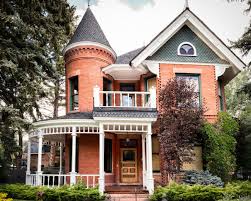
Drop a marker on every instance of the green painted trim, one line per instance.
(221, 96)
(199, 79)
(71, 101)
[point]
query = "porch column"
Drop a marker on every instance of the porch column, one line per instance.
(144, 159)
(101, 159)
(73, 156)
(28, 171)
(60, 157)
(150, 181)
(39, 158)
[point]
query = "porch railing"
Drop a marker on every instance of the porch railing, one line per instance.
(128, 99)
(56, 180)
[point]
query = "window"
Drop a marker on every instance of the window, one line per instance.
(220, 94)
(74, 93)
(108, 156)
(155, 154)
(127, 100)
(194, 80)
(186, 49)
(107, 98)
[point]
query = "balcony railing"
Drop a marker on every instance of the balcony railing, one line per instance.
(128, 99)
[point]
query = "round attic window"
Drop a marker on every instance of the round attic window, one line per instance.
(186, 49)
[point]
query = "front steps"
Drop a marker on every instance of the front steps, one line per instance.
(127, 193)
(128, 197)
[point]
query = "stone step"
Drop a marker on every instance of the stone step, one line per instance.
(128, 197)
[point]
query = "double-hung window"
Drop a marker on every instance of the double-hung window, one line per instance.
(194, 80)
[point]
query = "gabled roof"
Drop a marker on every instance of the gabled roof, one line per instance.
(188, 18)
(127, 57)
(89, 30)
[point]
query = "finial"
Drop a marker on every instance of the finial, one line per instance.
(89, 3)
(186, 4)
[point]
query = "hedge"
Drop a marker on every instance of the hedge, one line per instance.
(65, 193)
(183, 192)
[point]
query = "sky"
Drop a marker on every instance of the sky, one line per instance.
(130, 24)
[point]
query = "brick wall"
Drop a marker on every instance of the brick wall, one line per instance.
(86, 62)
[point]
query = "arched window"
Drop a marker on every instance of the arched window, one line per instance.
(186, 49)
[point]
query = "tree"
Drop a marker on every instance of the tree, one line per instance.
(180, 121)
(32, 35)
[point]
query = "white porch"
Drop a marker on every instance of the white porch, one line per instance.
(57, 129)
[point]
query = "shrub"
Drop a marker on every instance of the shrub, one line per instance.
(238, 191)
(219, 146)
(202, 177)
(183, 192)
(3, 197)
(64, 193)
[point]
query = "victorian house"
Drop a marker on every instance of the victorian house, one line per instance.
(107, 136)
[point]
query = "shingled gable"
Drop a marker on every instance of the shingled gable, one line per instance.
(187, 17)
(89, 31)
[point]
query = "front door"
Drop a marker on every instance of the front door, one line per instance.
(128, 159)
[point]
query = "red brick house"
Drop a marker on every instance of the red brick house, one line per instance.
(112, 101)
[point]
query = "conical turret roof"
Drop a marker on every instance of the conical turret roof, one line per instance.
(89, 30)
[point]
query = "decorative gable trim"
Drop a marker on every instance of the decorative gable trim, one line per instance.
(195, 24)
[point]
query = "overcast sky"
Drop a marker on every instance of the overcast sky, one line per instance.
(130, 24)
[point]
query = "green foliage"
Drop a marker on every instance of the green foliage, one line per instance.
(219, 146)
(65, 193)
(181, 192)
(176, 192)
(202, 178)
(3, 197)
(32, 36)
(244, 143)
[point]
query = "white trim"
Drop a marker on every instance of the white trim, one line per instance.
(87, 43)
(124, 72)
(64, 122)
(124, 119)
(185, 63)
(188, 18)
(184, 55)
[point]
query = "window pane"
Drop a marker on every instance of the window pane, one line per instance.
(108, 156)
(187, 50)
(192, 81)
(74, 93)
(129, 155)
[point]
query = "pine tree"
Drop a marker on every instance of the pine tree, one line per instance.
(32, 36)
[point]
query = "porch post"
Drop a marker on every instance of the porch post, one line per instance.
(28, 170)
(60, 157)
(73, 156)
(144, 159)
(101, 159)
(150, 181)
(39, 158)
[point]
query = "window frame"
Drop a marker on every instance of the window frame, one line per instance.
(186, 55)
(199, 82)
(71, 80)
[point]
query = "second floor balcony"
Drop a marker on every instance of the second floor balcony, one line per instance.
(125, 99)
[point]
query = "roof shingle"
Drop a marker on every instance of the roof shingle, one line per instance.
(89, 30)
(127, 57)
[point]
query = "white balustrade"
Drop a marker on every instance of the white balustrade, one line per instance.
(133, 99)
(56, 180)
